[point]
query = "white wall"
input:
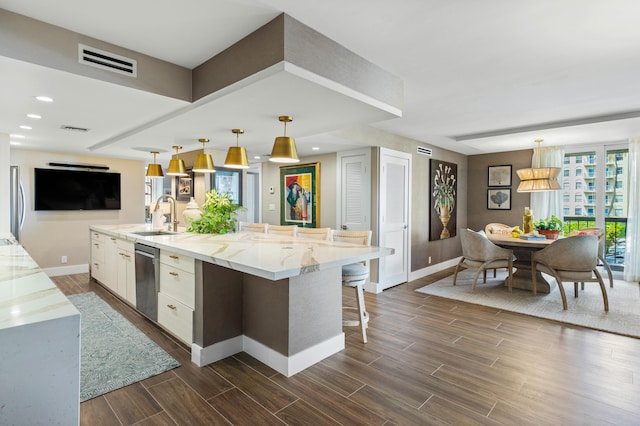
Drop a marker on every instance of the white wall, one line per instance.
(5, 216)
(48, 235)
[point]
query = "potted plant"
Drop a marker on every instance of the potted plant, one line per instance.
(549, 227)
(218, 215)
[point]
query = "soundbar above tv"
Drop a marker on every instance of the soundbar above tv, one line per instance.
(60, 189)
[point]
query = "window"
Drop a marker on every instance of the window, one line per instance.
(591, 199)
(591, 173)
(618, 198)
(566, 172)
(578, 198)
(590, 211)
(618, 184)
(578, 172)
(591, 159)
(619, 170)
(591, 186)
(567, 159)
(578, 185)
(607, 199)
(565, 185)
(566, 211)
(566, 198)
(579, 159)
(578, 211)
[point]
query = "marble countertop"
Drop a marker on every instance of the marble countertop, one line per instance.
(27, 295)
(272, 257)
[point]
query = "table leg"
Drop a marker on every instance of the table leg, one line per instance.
(523, 278)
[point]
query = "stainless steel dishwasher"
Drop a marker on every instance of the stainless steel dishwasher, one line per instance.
(147, 279)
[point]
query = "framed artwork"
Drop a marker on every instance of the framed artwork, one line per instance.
(499, 199)
(228, 181)
(184, 187)
(443, 187)
(499, 176)
(300, 195)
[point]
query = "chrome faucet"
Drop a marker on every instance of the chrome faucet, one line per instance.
(174, 219)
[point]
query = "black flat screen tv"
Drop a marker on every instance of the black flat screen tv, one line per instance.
(59, 189)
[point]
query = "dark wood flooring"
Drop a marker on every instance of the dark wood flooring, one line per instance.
(429, 360)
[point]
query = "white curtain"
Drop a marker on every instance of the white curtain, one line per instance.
(547, 204)
(632, 251)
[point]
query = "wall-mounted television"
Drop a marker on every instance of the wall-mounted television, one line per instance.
(61, 189)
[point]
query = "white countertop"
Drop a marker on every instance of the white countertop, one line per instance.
(27, 295)
(269, 256)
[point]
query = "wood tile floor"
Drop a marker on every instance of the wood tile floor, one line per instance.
(428, 361)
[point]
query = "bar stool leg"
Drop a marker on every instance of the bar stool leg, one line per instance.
(364, 317)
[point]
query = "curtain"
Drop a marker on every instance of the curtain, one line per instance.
(547, 204)
(632, 251)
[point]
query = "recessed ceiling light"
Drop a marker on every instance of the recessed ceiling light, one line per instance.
(26, 127)
(256, 157)
(34, 116)
(316, 148)
(14, 143)
(16, 136)
(44, 99)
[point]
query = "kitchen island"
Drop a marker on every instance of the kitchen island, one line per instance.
(277, 298)
(39, 344)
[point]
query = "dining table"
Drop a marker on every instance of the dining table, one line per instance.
(523, 249)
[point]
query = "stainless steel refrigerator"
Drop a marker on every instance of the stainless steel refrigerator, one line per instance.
(18, 204)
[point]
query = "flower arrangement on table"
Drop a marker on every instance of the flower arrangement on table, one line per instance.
(550, 227)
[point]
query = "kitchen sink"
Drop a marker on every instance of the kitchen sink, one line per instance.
(151, 233)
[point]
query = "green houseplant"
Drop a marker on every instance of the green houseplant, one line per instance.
(218, 215)
(550, 227)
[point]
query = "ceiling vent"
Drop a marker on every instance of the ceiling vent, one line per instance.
(424, 151)
(107, 61)
(74, 128)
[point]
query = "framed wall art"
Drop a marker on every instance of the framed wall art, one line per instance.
(184, 187)
(300, 195)
(499, 199)
(228, 181)
(443, 188)
(499, 176)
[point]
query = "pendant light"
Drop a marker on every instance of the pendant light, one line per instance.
(538, 179)
(204, 162)
(237, 155)
(154, 170)
(176, 166)
(284, 147)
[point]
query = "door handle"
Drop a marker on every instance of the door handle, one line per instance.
(343, 227)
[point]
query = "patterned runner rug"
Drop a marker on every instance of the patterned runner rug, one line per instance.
(586, 311)
(114, 353)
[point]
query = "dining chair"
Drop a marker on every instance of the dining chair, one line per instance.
(288, 230)
(354, 276)
(252, 227)
(602, 261)
(315, 233)
(497, 229)
(481, 254)
(570, 259)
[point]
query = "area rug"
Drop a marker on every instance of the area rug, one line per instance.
(114, 353)
(586, 311)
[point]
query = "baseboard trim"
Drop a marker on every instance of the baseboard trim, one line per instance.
(202, 356)
(66, 270)
(421, 273)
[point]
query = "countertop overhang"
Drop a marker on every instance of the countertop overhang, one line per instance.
(273, 257)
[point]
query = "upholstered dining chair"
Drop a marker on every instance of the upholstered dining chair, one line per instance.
(252, 227)
(602, 261)
(498, 229)
(288, 230)
(315, 233)
(354, 276)
(570, 259)
(481, 254)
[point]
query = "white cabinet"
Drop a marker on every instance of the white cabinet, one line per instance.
(126, 272)
(110, 277)
(97, 256)
(176, 299)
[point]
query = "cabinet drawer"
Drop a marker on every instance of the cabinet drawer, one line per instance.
(178, 284)
(180, 261)
(175, 317)
(97, 250)
(97, 236)
(125, 245)
(97, 270)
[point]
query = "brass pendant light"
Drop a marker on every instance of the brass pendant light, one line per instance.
(539, 179)
(204, 162)
(284, 147)
(154, 170)
(237, 155)
(176, 166)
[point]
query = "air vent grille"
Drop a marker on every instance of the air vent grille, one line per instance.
(424, 151)
(74, 128)
(107, 61)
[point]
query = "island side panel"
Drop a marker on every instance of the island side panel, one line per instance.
(293, 314)
(218, 310)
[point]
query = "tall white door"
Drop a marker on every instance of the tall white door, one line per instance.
(354, 199)
(395, 170)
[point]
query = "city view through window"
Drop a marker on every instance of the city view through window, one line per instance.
(593, 187)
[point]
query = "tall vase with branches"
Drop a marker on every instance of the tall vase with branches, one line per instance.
(444, 195)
